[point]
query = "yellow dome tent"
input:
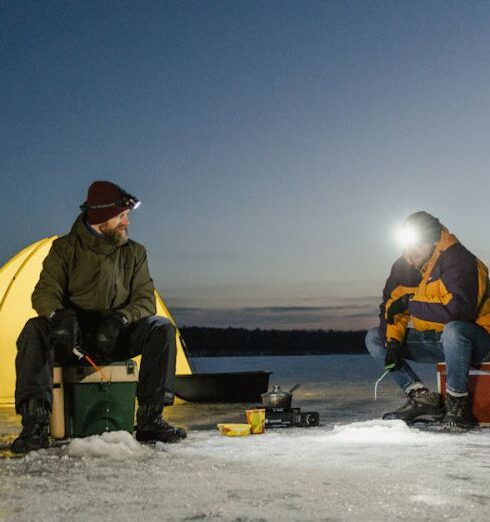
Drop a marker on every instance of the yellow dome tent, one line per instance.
(17, 280)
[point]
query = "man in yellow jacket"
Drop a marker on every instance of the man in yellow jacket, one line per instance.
(436, 307)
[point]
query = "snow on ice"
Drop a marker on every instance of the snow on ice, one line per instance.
(353, 466)
(113, 445)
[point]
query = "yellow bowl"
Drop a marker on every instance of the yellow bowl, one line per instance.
(234, 430)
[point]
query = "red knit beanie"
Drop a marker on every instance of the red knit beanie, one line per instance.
(106, 200)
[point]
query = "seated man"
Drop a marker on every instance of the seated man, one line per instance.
(440, 289)
(95, 294)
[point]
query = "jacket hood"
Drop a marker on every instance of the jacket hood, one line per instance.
(90, 238)
(447, 241)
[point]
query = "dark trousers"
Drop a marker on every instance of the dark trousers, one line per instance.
(154, 338)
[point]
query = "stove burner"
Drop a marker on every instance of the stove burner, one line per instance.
(282, 418)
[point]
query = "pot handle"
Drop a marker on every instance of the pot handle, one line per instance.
(295, 387)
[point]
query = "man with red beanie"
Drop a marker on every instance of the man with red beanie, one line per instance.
(95, 293)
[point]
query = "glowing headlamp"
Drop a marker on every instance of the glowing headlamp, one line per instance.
(418, 229)
(407, 236)
(130, 201)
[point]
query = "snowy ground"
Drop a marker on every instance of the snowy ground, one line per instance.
(352, 467)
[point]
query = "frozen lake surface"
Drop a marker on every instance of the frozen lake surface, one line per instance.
(352, 467)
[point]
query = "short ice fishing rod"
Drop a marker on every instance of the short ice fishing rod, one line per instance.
(385, 373)
(78, 353)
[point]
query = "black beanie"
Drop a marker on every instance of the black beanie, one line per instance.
(428, 227)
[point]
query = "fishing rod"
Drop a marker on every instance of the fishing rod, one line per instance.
(386, 372)
(78, 353)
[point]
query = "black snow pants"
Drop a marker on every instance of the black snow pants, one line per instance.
(153, 337)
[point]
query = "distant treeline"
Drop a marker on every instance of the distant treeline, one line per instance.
(208, 342)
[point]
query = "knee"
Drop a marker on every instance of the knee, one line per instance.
(453, 335)
(163, 326)
(452, 331)
(34, 327)
(374, 343)
(33, 341)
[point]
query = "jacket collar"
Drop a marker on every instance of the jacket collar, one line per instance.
(447, 240)
(91, 239)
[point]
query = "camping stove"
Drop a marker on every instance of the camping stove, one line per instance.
(282, 418)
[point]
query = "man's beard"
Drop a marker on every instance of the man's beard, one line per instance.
(116, 236)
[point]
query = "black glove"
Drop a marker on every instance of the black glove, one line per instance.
(108, 332)
(394, 357)
(65, 330)
(398, 306)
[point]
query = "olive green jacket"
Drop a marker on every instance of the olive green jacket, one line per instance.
(85, 271)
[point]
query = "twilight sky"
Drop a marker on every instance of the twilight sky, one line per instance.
(274, 144)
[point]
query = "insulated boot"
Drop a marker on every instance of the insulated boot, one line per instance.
(35, 427)
(150, 427)
(458, 415)
(421, 403)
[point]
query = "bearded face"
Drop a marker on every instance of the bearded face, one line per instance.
(116, 229)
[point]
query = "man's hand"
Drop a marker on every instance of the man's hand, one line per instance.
(108, 332)
(65, 331)
(398, 306)
(393, 358)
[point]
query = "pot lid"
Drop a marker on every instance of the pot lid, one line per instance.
(277, 392)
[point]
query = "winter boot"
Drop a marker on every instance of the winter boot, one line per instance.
(150, 427)
(421, 403)
(35, 427)
(458, 415)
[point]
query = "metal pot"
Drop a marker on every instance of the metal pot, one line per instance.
(277, 398)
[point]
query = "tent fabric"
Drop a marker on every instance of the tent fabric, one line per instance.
(18, 278)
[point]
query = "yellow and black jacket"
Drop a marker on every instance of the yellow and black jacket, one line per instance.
(451, 286)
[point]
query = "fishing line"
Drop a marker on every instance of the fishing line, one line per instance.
(378, 381)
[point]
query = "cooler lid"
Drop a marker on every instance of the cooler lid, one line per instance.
(121, 371)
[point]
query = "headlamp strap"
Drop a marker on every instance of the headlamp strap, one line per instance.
(126, 200)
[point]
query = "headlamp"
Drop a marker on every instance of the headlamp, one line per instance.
(419, 228)
(126, 200)
(407, 236)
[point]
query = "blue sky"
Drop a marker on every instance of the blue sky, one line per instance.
(274, 144)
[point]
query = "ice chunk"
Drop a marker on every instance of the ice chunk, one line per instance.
(380, 432)
(113, 445)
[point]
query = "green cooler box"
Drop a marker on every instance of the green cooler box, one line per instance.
(84, 403)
